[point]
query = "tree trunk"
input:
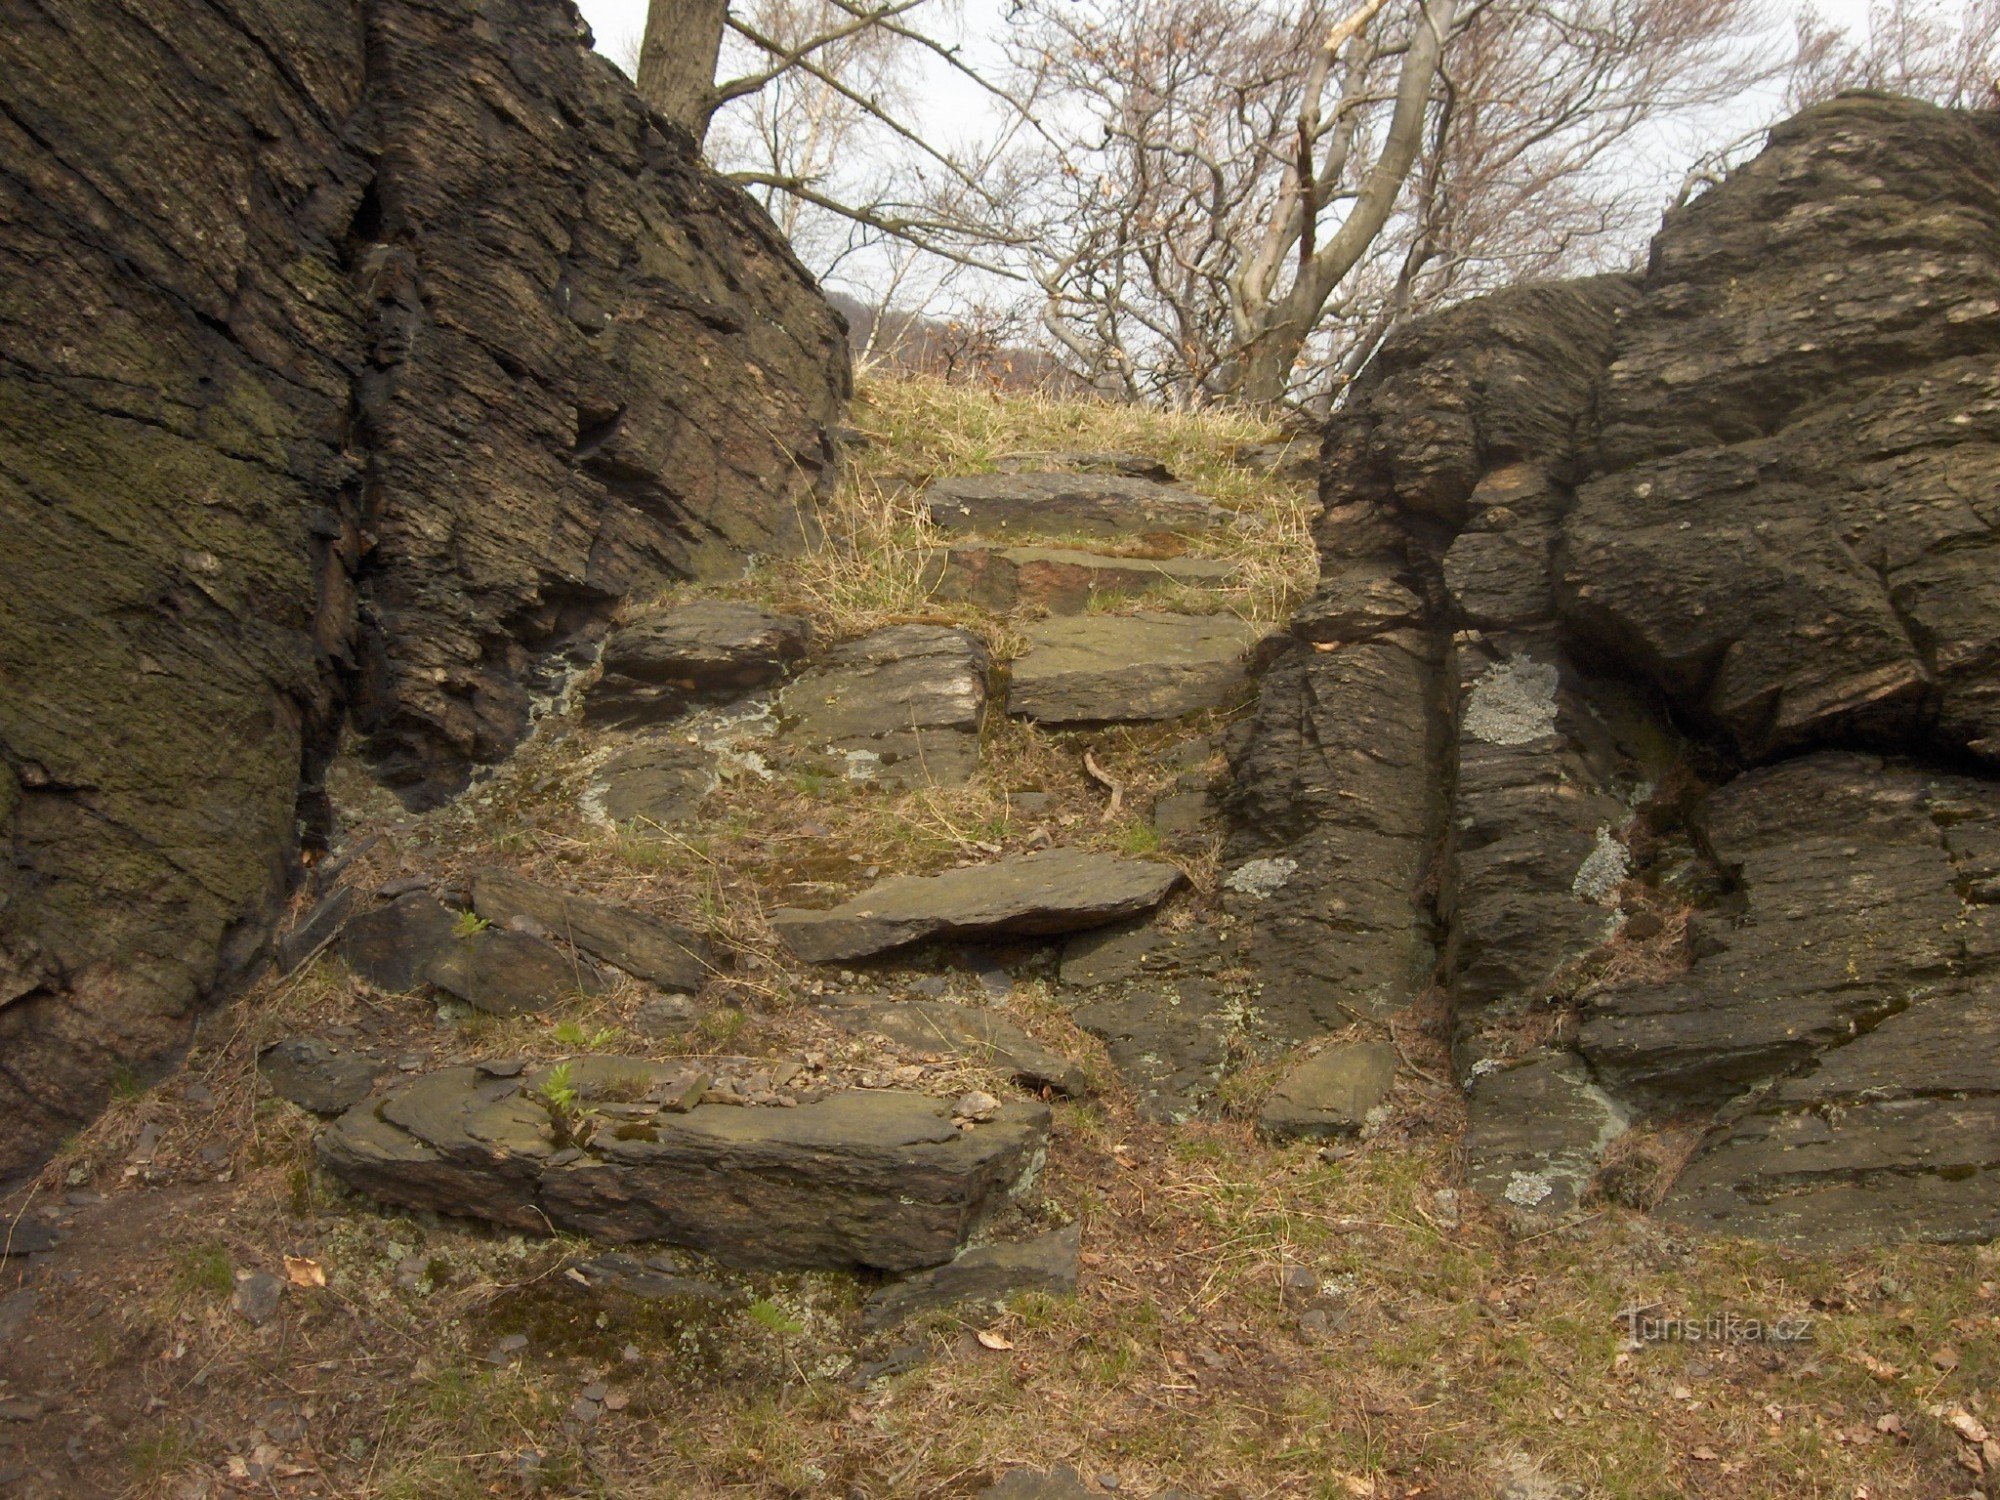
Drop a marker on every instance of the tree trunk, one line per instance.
(677, 59)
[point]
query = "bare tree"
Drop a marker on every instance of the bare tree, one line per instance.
(1241, 200)
(1947, 54)
(677, 58)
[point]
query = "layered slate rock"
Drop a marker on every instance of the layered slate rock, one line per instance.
(984, 1276)
(659, 663)
(392, 946)
(654, 783)
(902, 706)
(1331, 1093)
(1030, 895)
(507, 973)
(1056, 505)
(318, 1075)
(355, 356)
(1158, 1000)
(1698, 588)
(971, 1031)
(1095, 669)
(869, 1179)
(1062, 580)
(645, 947)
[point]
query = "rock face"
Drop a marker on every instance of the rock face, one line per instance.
(1056, 891)
(1652, 689)
(855, 1179)
(357, 359)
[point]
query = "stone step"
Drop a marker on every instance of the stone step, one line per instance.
(856, 1178)
(1059, 579)
(1057, 505)
(643, 946)
(1056, 891)
(1096, 669)
(902, 706)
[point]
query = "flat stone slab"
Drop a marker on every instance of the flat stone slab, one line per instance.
(392, 945)
(644, 947)
(1021, 505)
(1060, 579)
(507, 973)
(968, 1030)
(1035, 1484)
(1332, 1093)
(1031, 895)
(1096, 669)
(1169, 1042)
(655, 782)
(1086, 461)
(902, 705)
(317, 1075)
(1534, 1133)
(985, 1275)
(857, 1178)
(654, 666)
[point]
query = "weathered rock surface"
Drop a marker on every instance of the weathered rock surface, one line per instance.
(1028, 895)
(984, 1275)
(1058, 505)
(902, 706)
(318, 1075)
(642, 946)
(506, 973)
(926, 1026)
(1332, 1093)
(655, 783)
(1094, 669)
(855, 1179)
(1062, 580)
(1035, 1484)
(392, 945)
(1670, 597)
(657, 664)
(356, 358)
(1169, 1040)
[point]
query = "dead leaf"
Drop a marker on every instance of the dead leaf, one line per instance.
(1946, 1359)
(1705, 1455)
(992, 1339)
(303, 1272)
(1966, 1425)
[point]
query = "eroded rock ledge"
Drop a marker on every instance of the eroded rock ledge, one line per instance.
(1651, 700)
(356, 357)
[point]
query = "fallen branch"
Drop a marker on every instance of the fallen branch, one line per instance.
(1097, 774)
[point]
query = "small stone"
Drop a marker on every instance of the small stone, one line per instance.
(503, 1067)
(665, 1015)
(316, 1075)
(256, 1296)
(976, 1106)
(506, 1350)
(26, 1237)
(1299, 1283)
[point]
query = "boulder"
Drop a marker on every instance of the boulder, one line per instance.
(983, 1276)
(643, 946)
(655, 665)
(359, 361)
(1094, 669)
(881, 1180)
(902, 706)
(1061, 580)
(1331, 1093)
(1029, 895)
(1063, 505)
(976, 1032)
